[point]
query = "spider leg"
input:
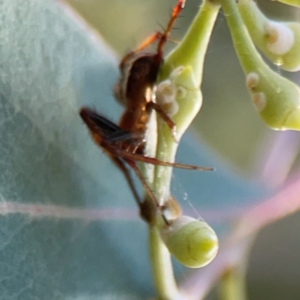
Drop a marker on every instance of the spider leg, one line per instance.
(164, 116)
(124, 135)
(151, 160)
(175, 12)
(147, 188)
(120, 164)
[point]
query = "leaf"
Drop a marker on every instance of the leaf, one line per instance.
(69, 225)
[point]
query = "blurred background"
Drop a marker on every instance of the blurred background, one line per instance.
(227, 122)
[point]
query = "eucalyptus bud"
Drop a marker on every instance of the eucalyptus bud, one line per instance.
(276, 98)
(192, 242)
(278, 41)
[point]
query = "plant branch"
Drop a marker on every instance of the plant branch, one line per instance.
(164, 280)
(187, 62)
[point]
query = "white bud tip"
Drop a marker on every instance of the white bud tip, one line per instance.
(280, 38)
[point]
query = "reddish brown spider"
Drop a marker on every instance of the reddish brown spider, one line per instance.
(136, 87)
(125, 143)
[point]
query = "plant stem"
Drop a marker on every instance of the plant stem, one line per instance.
(162, 267)
(190, 53)
(233, 279)
(244, 47)
(232, 284)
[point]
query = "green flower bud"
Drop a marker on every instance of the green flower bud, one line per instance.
(279, 41)
(276, 99)
(192, 242)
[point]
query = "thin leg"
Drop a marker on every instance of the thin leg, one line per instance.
(151, 160)
(162, 37)
(129, 180)
(147, 42)
(175, 12)
(164, 116)
(147, 189)
(95, 122)
(123, 135)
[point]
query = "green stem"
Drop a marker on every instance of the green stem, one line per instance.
(233, 281)
(164, 280)
(232, 285)
(244, 47)
(190, 53)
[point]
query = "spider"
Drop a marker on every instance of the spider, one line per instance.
(125, 143)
